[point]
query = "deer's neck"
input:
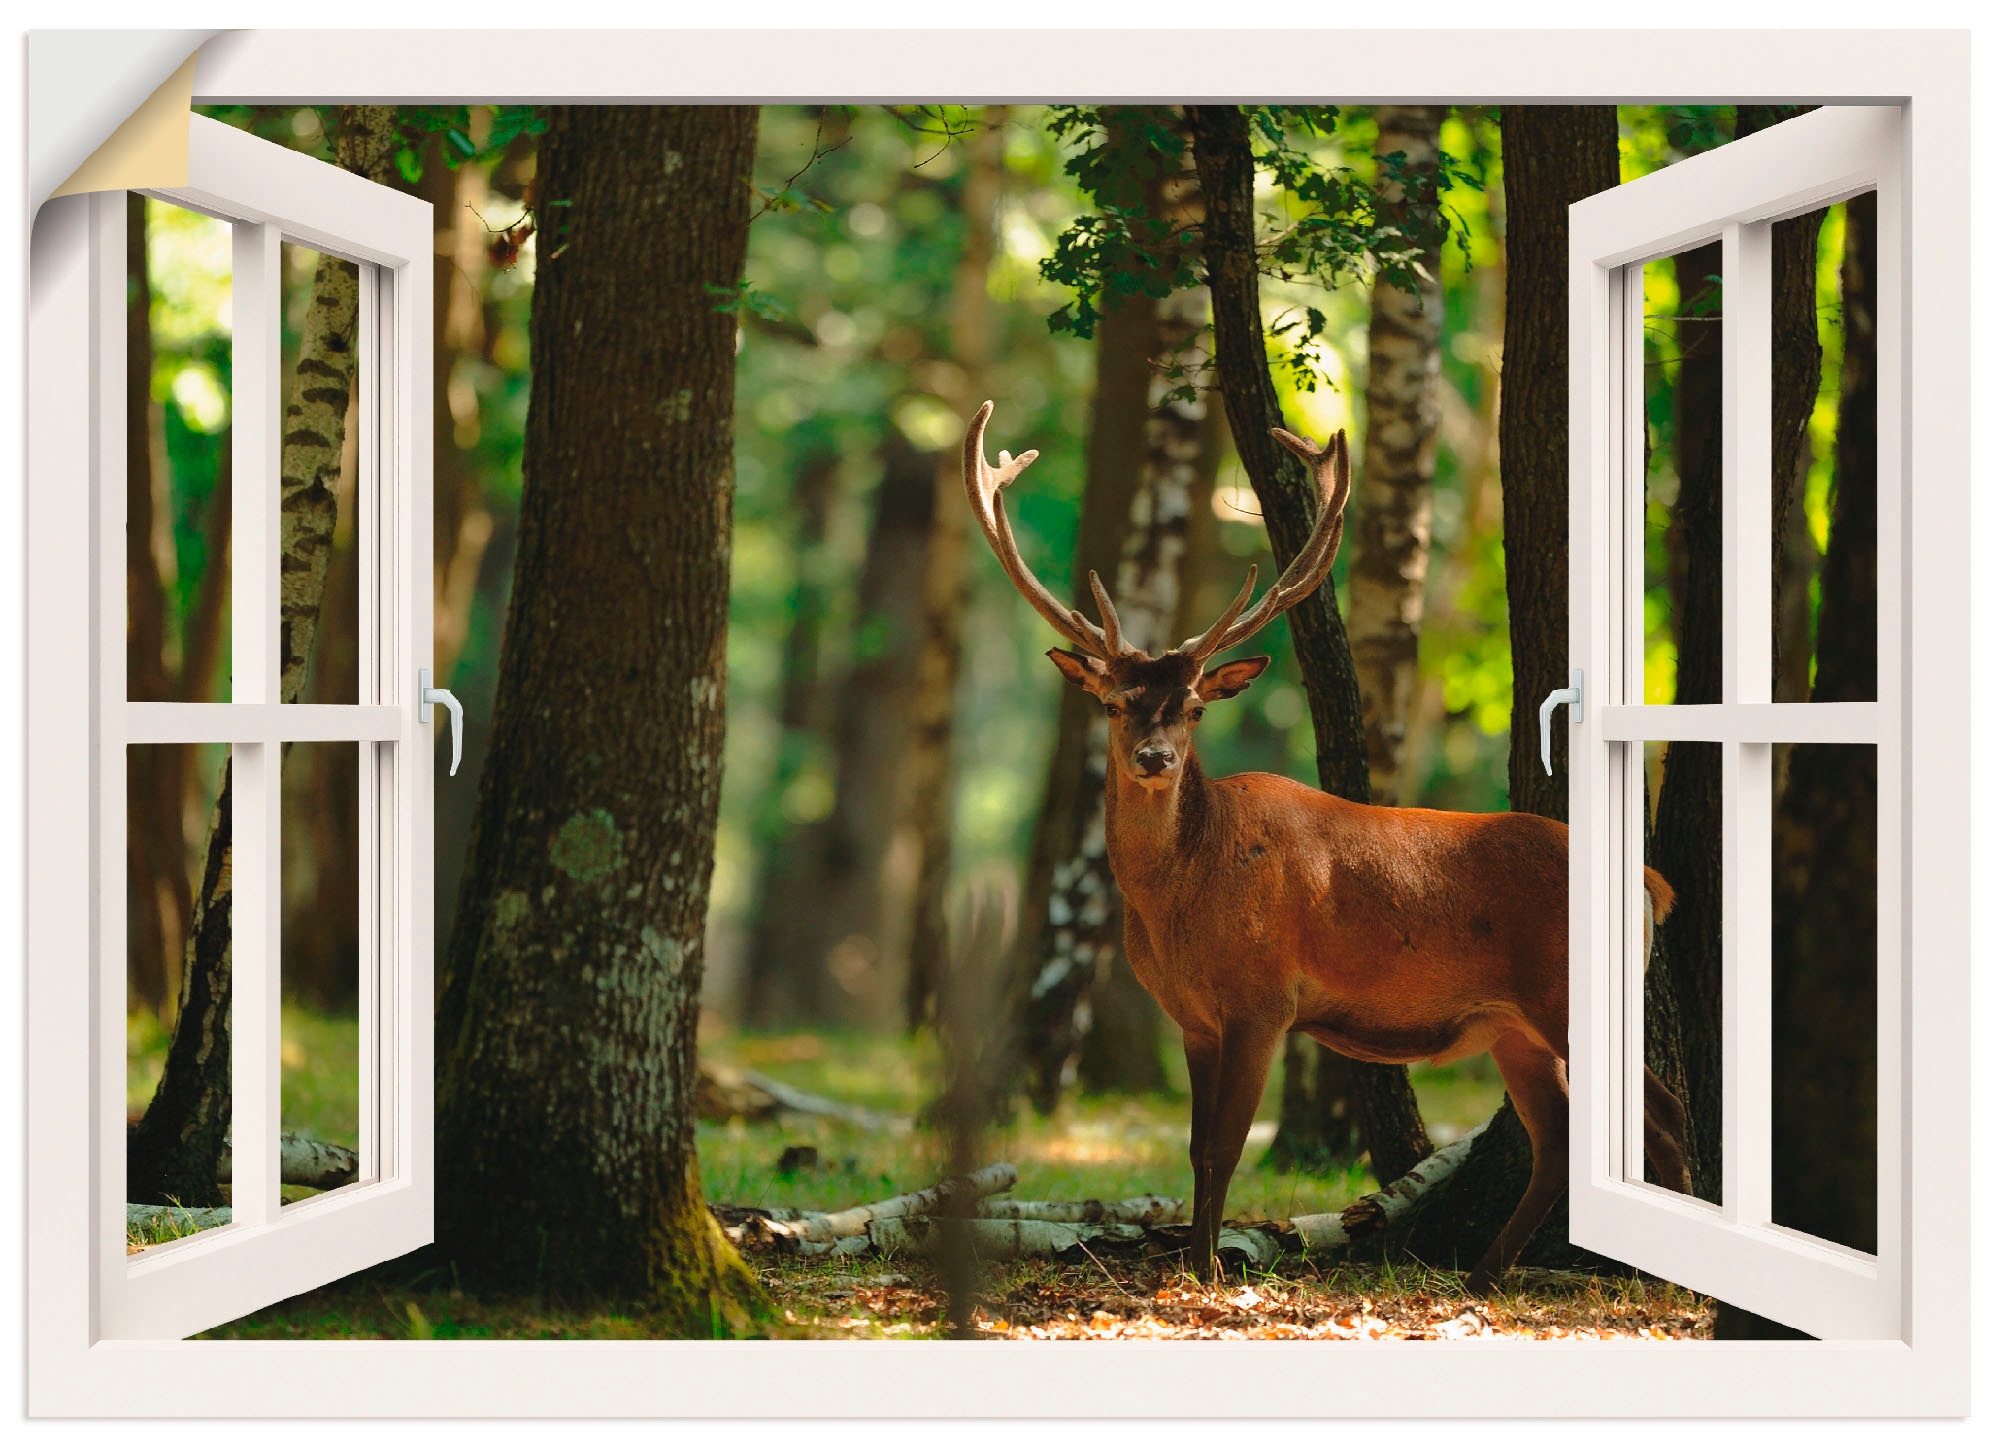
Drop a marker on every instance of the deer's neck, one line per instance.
(1149, 832)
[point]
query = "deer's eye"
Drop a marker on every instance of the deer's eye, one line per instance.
(1194, 714)
(1111, 710)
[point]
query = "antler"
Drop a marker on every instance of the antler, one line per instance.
(982, 488)
(1332, 479)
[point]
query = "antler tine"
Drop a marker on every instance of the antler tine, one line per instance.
(1333, 479)
(983, 482)
(1113, 639)
(1204, 645)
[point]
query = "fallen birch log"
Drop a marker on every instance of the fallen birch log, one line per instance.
(309, 1162)
(725, 1093)
(997, 1240)
(1139, 1210)
(938, 1198)
(1374, 1213)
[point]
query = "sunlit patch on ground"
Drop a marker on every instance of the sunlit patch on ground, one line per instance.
(1153, 1301)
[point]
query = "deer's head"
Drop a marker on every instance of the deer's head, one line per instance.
(1154, 701)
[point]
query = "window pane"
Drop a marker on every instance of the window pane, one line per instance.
(320, 960)
(172, 852)
(1823, 414)
(1823, 959)
(1682, 1025)
(320, 583)
(1682, 623)
(177, 396)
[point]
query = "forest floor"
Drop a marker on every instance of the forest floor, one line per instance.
(1105, 1147)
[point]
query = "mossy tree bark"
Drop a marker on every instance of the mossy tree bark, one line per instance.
(175, 1151)
(1392, 1128)
(571, 987)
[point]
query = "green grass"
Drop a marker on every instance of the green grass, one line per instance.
(1104, 1147)
(320, 1091)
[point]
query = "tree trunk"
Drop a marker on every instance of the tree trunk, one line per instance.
(1229, 243)
(1392, 536)
(175, 1149)
(802, 708)
(1083, 989)
(1126, 336)
(1824, 959)
(927, 820)
(1390, 559)
(573, 981)
(1553, 155)
(159, 899)
(820, 940)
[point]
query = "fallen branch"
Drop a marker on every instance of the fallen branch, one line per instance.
(1139, 1210)
(995, 1239)
(309, 1162)
(840, 1224)
(727, 1093)
(1374, 1213)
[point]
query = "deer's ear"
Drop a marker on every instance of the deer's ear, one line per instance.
(1088, 674)
(1231, 678)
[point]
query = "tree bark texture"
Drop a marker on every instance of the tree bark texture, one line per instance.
(175, 1149)
(566, 1027)
(1824, 855)
(927, 789)
(1553, 155)
(1285, 493)
(1391, 540)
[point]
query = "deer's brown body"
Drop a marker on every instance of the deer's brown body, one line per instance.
(1256, 906)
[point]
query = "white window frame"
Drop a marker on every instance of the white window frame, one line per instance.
(1732, 196)
(268, 195)
(1928, 1372)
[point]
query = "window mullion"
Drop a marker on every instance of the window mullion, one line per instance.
(256, 432)
(1746, 766)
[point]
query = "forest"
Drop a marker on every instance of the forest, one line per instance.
(778, 880)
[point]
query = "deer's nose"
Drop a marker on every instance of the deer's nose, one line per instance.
(1154, 760)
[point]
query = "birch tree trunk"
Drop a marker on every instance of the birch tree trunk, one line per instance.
(566, 1027)
(1392, 536)
(1392, 1127)
(927, 820)
(175, 1149)
(1318, 1124)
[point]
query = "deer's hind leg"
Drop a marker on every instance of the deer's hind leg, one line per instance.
(1666, 1136)
(1538, 1083)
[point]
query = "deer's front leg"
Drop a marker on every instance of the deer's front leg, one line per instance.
(1204, 1058)
(1248, 1047)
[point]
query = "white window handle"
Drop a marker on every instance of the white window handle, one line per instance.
(1572, 695)
(427, 695)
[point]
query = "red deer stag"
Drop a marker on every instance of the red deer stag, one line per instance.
(1255, 905)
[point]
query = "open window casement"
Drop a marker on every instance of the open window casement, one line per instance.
(1734, 1248)
(268, 196)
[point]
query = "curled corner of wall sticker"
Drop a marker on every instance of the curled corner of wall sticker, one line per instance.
(108, 111)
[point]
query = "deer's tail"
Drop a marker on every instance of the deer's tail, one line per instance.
(1661, 893)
